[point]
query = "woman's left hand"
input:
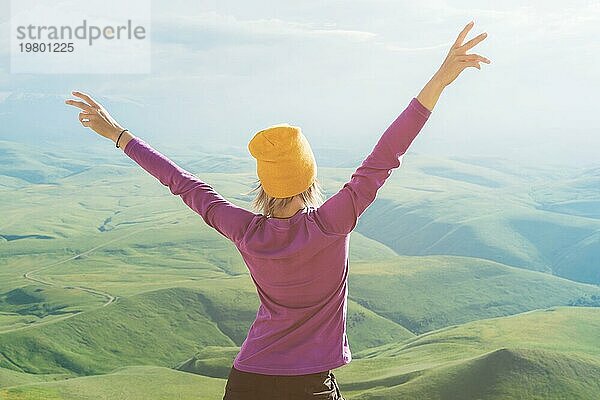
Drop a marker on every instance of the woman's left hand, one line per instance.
(95, 117)
(457, 59)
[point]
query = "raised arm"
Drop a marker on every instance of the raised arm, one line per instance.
(340, 213)
(225, 217)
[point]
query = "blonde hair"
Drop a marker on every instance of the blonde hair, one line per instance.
(267, 205)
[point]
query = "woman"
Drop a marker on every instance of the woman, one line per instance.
(296, 249)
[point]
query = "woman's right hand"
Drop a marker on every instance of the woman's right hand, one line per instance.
(458, 59)
(94, 116)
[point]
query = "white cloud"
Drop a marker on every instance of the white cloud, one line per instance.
(229, 29)
(530, 22)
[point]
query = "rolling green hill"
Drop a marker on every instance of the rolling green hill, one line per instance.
(157, 328)
(131, 383)
(387, 295)
(546, 354)
(517, 356)
(23, 306)
(434, 206)
(503, 374)
(365, 330)
(110, 281)
(542, 218)
(431, 292)
(160, 328)
(9, 377)
(167, 323)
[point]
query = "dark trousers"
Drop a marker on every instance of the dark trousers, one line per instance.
(249, 386)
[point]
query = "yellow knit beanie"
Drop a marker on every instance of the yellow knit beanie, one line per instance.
(285, 163)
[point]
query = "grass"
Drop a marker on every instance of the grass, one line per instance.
(131, 383)
(442, 303)
(431, 292)
(509, 357)
(9, 377)
(161, 327)
(544, 354)
(505, 373)
(158, 328)
(436, 206)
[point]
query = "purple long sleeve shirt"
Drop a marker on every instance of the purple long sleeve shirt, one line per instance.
(298, 264)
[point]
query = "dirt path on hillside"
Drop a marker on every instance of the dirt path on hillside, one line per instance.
(97, 292)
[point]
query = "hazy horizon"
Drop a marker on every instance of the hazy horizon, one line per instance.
(343, 72)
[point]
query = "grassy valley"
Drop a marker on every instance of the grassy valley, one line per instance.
(463, 277)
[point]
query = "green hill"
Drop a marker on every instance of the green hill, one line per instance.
(386, 296)
(436, 206)
(543, 219)
(557, 348)
(39, 301)
(545, 354)
(157, 328)
(431, 292)
(577, 195)
(161, 327)
(79, 232)
(29, 165)
(503, 374)
(131, 383)
(9, 377)
(365, 330)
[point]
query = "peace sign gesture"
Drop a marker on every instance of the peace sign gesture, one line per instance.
(458, 59)
(95, 117)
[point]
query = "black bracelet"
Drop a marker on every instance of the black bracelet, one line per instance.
(117, 142)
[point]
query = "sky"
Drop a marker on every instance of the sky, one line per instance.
(342, 71)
